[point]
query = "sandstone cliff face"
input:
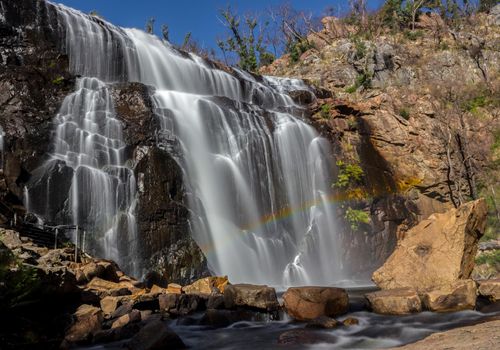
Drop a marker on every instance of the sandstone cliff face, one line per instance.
(34, 79)
(423, 129)
(438, 251)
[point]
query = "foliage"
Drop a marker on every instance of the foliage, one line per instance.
(266, 58)
(150, 24)
(165, 32)
(296, 49)
(355, 217)
(18, 281)
(413, 35)
(349, 173)
(325, 111)
(404, 113)
(58, 81)
(360, 47)
(243, 40)
(486, 5)
(404, 185)
(94, 13)
(351, 89)
(392, 14)
(490, 258)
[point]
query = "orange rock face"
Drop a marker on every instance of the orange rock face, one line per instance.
(308, 303)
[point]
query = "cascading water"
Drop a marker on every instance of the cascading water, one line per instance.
(100, 195)
(257, 176)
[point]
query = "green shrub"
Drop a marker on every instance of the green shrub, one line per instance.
(266, 58)
(360, 47)
(413, 35)
(474, 103)
(490, 258)
(404, 113)
(348, 174)
(325, 111)
(296, 49)
(351, 89)
(355, 217)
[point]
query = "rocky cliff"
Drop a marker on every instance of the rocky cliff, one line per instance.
(417, 111)
(34, 79)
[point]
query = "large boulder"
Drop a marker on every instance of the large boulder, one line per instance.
(490, 288)
(460, 295)
(87, 321)
(401, 301)
(440, 250)
(207, 285)
(155, 336)
(308, 303)
(180, 304)
(252, 296)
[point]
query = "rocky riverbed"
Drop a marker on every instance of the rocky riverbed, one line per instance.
(89, 303)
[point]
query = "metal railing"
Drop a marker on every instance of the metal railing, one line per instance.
(42, 233)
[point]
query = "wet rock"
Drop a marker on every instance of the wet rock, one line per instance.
(307, 303)
(225, 318)
(168, 301)
(490, 288)
(399, 301)
(180, 304)
(252, 296)
(324, 322)
(460, 295)
(87, 321)
(215, 302)
(131, 317)
(350, 321)
(116, 334)
(304, 336)
(166, 245)
(103, 269)
(302, 97)
(123, 309)
(155, 336)
(146, 302)
(110, 304)
(207, 285)
(439, 250)
(103, 288)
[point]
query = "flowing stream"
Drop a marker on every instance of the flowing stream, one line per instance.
(258, 177)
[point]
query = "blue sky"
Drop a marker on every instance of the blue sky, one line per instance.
(182, 16)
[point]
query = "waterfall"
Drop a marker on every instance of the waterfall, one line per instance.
(97, 189)
(258, 177)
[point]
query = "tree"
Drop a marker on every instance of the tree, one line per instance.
(165, 32)
(246, 40)
(413, 7)
(392, 14)
(487, 5)
(150, 23)
(291, 28)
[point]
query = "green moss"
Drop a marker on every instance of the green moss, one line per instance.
(355, 217)
(58, 81)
